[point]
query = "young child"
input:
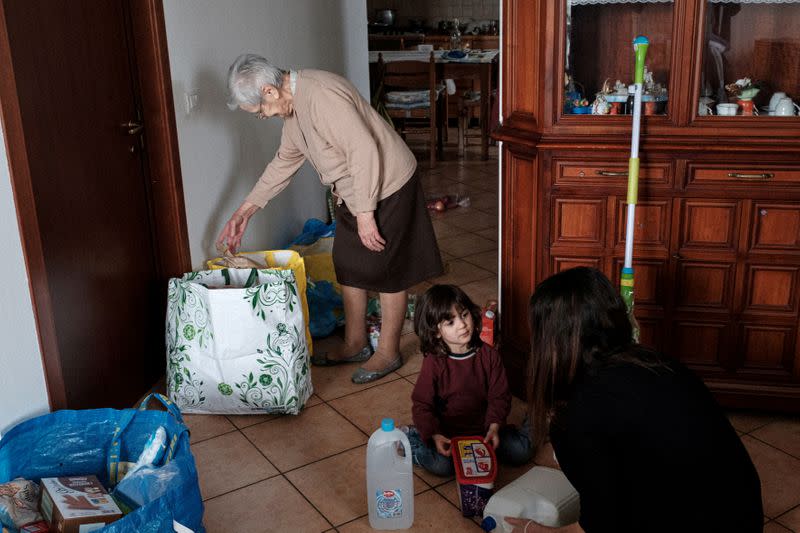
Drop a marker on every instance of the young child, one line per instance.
(462, 389)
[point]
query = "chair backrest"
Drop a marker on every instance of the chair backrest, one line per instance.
(409, 75)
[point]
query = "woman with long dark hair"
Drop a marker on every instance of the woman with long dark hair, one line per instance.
(636, 433)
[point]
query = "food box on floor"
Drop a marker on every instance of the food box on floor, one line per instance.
(77, 504)
(476, 469)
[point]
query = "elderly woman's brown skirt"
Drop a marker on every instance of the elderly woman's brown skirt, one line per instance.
(410, 256)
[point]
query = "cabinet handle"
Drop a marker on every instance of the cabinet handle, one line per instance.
(763, 176)
(676, 256)
(611, 174)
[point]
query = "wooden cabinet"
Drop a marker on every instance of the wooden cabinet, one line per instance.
(717, 235)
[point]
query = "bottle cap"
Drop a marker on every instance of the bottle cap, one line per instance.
(387, 424)
(488, 524)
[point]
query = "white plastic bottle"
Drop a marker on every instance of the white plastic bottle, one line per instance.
(542, 494)
(390, 481)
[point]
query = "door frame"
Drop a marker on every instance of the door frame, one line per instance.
(166, 185)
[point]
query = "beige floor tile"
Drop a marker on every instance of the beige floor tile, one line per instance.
(442, 229)
(468, 244)
(245, 421)
(747, 421)
(431, 479)
(268, 506)
(366, 409)
(446, 187)
(474, 221)
(450, 491)
(774, 527)
(334, 381)
(412, 358)
(293, 441)
(229, 462)
(460, 272)
(489, 233)
(343, 475)
(485, 260)
(412, 378)
(484, 200)
(790, 519)
(482, 291)
(780, 476)
(432, 513)
(203, 427)
(783, 434)
(493, 210)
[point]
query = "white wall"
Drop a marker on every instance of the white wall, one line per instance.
(22, 387)
(223, 152)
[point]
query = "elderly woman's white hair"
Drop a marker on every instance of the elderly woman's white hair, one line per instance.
(247, 75)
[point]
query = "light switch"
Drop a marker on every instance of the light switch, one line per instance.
(192, 100)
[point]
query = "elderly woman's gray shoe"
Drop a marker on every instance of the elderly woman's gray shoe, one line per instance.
(361, 376)
(322, 359)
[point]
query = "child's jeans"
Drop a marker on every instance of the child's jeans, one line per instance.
(514, 449)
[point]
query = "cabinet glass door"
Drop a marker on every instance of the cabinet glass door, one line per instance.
(599, 58)
(751, 59)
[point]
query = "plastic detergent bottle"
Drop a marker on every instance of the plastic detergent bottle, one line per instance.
(390, 483)
(542, 494)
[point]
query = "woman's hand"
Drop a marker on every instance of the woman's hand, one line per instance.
(442, 444)
(232, 233)
(368, 231)
(493, 435)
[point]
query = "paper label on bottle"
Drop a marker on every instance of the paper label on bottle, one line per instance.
(389, 503)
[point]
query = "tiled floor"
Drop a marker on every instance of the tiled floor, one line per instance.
(306, 473)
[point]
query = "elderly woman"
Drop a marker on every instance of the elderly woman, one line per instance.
(384, 237)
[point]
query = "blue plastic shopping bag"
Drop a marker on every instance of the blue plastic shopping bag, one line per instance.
(103, 442)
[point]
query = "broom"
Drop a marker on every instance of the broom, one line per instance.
(640, 45)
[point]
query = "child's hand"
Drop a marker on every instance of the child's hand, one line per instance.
(442, 444)
(492, 436)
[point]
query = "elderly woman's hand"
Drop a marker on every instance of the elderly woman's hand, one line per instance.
(368, 231)
(232, 233)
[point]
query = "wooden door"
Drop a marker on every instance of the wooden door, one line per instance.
(89, 221)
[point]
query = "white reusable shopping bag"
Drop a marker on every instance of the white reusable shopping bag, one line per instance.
(236, 342)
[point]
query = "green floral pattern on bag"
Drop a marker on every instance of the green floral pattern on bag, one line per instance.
(284, 365)
(279, 380)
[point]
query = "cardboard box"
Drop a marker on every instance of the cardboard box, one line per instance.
(76, 504)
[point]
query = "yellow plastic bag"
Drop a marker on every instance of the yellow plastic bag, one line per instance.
(319, 260)
(280, 259)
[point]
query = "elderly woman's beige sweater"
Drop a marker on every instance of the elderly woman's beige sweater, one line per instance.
(353, 149)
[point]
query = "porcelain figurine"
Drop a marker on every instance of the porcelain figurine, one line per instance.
(600, 106)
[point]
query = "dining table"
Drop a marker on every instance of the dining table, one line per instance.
(475, 64)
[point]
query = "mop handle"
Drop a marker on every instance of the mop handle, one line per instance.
(640, 45)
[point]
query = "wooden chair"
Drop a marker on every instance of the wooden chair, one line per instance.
(399, 78)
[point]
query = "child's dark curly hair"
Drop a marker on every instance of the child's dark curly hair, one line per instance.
(433, 308)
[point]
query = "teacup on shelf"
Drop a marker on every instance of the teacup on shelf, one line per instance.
(727, 110)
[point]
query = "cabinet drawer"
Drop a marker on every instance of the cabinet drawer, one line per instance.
(745, 175)
(613, 173)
